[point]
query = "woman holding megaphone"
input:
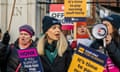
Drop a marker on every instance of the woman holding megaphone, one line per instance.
(111, 43)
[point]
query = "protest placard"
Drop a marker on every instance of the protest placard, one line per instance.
(87, 60)
(30, 60)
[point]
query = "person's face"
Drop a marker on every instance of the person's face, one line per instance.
(82, 30)
(109, 26)
(53, 32)
(108, 38)
(24, 37)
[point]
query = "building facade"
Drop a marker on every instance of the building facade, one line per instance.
(24, 13)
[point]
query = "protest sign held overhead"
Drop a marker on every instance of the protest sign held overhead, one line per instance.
(57, 11)
(75, 8)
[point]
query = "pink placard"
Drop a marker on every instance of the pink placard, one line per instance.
(27, 53)
(111, 66)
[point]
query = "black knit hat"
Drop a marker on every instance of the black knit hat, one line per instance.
(114, 19)
(48, 22)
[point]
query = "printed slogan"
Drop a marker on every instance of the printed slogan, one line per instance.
(87, 60)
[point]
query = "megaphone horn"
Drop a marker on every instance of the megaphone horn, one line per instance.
(99, 31)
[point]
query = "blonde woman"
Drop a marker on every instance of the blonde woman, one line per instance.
(53, 47)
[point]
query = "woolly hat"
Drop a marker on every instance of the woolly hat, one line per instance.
(81, 24)
(27, 28)
(114, 19)
(48, 22)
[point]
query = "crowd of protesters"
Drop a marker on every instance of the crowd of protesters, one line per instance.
(53, 48)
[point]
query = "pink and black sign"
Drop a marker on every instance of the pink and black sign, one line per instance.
(30, 60)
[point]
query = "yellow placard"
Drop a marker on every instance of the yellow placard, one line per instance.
(82, 64)
(75, 8)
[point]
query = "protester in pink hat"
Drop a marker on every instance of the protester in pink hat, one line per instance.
(24, 41)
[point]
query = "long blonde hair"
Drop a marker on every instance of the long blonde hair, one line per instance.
(61, 45)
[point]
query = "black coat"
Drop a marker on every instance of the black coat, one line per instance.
(112, 49)
(60, 64)
(3, 56)
(114, 53)
(13, 60)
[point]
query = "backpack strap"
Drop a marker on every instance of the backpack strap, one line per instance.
(18, 67)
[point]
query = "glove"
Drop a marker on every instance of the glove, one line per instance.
(97, 43)
(74, 44)
(6, 38)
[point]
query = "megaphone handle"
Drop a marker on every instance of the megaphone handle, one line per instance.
(104, 42)
(104, 45)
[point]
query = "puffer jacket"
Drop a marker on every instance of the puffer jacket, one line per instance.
(13, 60)
(3, 57)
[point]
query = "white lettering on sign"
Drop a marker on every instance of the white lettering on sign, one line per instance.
(58, 15)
